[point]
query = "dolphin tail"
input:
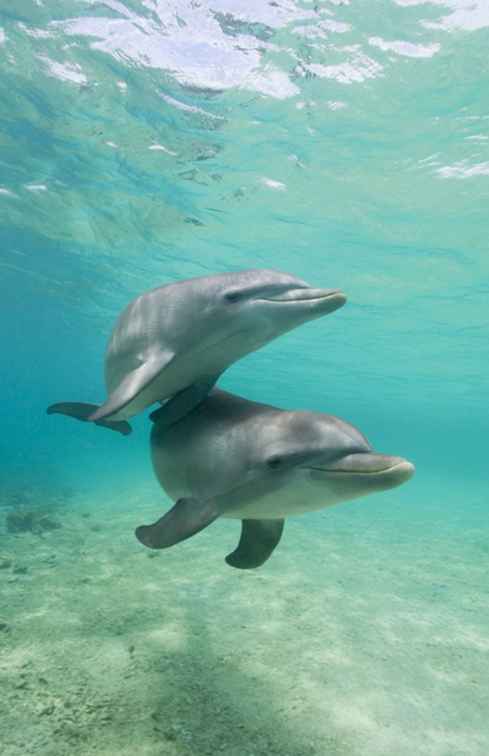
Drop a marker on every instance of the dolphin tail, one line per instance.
(185, 519)
(258, 539)
(82, 411)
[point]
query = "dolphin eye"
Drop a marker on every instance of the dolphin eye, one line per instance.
(232, 296)
(275, 463)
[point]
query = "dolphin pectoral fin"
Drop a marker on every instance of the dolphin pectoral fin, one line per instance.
(134, 382)
(183, 402)
(185, 519)
(83, 412)
(258, 539)
(78, 410)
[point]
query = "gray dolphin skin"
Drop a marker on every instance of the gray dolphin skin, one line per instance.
(173, 343)
(234, 458)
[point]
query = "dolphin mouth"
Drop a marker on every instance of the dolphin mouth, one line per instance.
(308, 295)
(403, 466)
(367, 465)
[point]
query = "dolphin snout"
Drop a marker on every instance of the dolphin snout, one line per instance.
(403, 471)
(380, 470)
(327, 300)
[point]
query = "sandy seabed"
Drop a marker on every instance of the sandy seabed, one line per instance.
(364, 635)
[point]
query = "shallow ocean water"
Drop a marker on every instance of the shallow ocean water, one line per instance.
(143, 142)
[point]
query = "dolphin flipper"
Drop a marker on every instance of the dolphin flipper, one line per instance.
(185, 519)
(184, 401)
(258, 539)
(82, 411)
(134, 382)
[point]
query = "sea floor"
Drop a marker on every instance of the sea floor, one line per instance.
(367, 633)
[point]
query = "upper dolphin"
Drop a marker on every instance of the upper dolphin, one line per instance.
(234, 458)
(172, 343)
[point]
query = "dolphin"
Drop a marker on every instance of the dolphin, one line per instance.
(173, 343)
(234, 458)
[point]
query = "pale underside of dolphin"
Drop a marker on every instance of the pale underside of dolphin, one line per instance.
(238, 459)
(171, 344)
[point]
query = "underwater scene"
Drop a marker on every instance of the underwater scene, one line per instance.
(244, 281)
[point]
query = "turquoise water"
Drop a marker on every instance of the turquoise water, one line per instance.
(144, 142)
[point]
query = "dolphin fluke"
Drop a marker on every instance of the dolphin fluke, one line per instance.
(82, 411)
(185, 519)
(258, 539)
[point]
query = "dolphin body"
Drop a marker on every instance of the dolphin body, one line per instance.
(234, 458)
(171, 344)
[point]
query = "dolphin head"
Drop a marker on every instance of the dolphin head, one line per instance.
(344, 461)
(273, 302)
(228, 315)
(306, 461)
(246, 309)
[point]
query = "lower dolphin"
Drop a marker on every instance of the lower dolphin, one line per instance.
(234, 458)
